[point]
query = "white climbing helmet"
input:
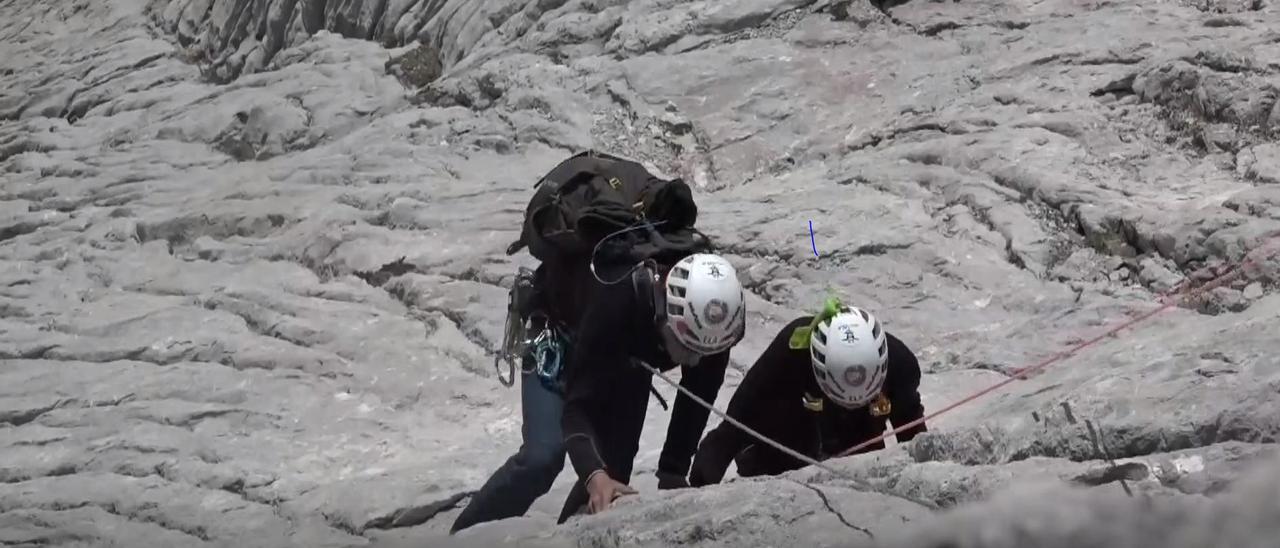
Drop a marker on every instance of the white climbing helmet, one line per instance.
(706, 308)
(850, 357)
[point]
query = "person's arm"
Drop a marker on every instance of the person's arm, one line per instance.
(717, 450)
(764, 383)
(904, 392)
(688, 418)
(596, 354)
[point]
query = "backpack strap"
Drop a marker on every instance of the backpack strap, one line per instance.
(645, 281)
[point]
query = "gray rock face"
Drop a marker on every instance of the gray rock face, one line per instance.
(252, 267)
(1058, 517)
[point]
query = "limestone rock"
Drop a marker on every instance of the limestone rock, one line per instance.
(252, 258)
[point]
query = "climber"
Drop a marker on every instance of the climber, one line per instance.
(606, 231)
(605, 397)
(825, 384)
(598, 380)
(692, 318)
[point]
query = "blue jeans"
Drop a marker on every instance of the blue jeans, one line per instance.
(528, 474)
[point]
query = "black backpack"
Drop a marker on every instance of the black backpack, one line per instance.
(601, 208)
(598, 208)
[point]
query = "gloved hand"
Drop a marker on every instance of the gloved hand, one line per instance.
(667, 480)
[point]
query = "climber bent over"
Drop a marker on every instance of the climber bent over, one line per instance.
(825, 384)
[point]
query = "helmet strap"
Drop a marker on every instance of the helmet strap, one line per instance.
(649, 289)
(881, 406)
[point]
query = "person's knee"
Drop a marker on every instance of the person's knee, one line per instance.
(544, 460)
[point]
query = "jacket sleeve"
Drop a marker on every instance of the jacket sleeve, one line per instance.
(763, 385)
(597, 355)
(904, 392)
(717, 450)
(688, 418)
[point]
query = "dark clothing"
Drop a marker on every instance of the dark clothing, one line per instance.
(561, 288)
(528, 474)
(606, 395)
(772, 400)
(599, 351)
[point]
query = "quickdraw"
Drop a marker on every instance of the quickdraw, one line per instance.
(515, 327)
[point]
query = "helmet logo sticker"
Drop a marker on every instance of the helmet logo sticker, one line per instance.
(846, 333)
(716, 311)
(855, 376)
(713, 270)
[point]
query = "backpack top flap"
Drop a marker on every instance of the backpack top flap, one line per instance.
(553, 228)
(592, 195)
(545, 195)
(672, 202)
(610, 196)
(585, 201)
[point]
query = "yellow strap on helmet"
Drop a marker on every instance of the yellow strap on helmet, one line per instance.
(800, 337)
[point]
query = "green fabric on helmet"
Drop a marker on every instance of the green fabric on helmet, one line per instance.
(800, 337)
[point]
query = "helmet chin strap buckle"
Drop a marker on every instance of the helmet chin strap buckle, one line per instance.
(881, 406)
(812, 403)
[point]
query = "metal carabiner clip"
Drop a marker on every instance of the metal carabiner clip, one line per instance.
(548, 352)
(515, 334)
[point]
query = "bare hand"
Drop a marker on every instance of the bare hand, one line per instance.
(603, 490)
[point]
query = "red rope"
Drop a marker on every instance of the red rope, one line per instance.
(1024, 372)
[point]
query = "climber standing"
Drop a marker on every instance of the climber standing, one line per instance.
(692, 319)
(692, 316)
(623, 277)
(824, 385)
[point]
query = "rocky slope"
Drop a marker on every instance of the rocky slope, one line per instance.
(208, 336)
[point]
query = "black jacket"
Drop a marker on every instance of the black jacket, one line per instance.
(771, 400)
(606, 395)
